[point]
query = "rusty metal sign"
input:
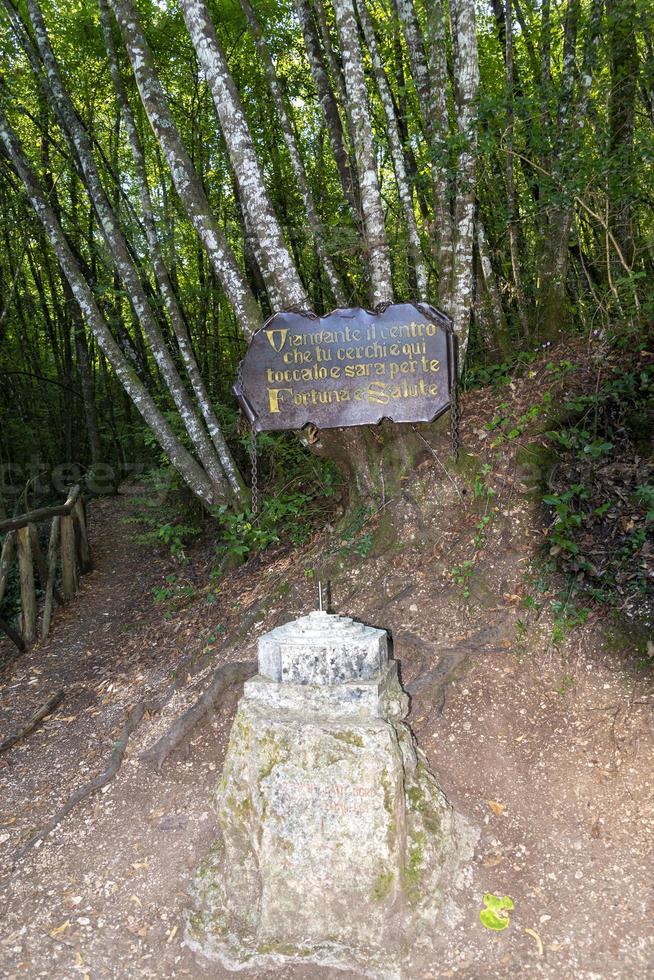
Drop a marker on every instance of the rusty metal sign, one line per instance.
(351, 367)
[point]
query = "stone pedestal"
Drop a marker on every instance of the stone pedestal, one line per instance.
(336, 843)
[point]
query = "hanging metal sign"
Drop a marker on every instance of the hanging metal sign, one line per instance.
(351, 367)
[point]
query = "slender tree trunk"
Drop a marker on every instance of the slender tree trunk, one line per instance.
(397, 151)
(444, 218)
(377, 249)
(573, 106)
(510, 176)
(623, 53)
(171, 303)
(119, 250)
(185, 178)
(459, 301)
(328, 104)
(181, 459)
(277, 265)
(283, 111)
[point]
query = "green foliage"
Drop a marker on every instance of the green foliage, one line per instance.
(462, 575)
(601, 495)
(495, 914)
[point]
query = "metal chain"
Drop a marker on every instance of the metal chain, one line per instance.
(255, 471)
(454, 422)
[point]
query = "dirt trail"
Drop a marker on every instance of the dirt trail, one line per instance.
(545, 747)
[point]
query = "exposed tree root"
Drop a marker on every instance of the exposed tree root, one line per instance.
(133, 718)
(36, 718)
(224, 677)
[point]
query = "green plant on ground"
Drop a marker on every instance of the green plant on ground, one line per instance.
(495, 914)
(462, 574)
(567, 683)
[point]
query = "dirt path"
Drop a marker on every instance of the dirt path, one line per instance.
(546, 749)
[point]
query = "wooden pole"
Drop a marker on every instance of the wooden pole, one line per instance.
(82, 536)
(5, 561)
(37, 556)
(52, 573)
(68, 558)
(27, 588)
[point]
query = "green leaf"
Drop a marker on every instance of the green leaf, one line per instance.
(495, 914)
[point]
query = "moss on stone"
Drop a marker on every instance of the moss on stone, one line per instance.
(383, 885)
(412, 873)
(350, 738)
(421, 803)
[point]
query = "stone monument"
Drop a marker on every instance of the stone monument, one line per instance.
(336, 845)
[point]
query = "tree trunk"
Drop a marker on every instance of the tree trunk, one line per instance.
(81, 147)
(457, 296)
(624, 77)
(171, 303)
(185, 178)
(397, 152)
(188, 468)
(277, 264)
(283, 111)
(328, 104)
(377, 250)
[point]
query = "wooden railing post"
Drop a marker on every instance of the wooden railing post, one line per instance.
(5, 561)
(27, 588)
(52, 573)
(82, 536)
(68, 525)
(68, 558)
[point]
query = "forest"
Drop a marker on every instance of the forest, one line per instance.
(172, 175)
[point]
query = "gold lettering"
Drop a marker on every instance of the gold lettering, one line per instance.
(274, 399)
(277, 337)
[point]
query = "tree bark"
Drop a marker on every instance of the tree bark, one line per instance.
(120, 253)
(328, 104)
(459, 296)
(623, 57)
(572, 110)
(397, 151)
(277, 264)
(378, 255)
(283, 111)
(185, 178)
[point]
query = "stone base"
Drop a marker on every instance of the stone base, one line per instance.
(336, 842)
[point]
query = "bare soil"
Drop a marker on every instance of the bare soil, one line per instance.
(545, 746)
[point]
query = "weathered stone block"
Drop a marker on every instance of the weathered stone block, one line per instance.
(321, 649)
(336, 843)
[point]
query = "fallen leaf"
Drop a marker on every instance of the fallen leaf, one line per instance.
(6, 823)
(171, 935)
(141, 864)
(497, 808)
(493, 860)
(78, 959)
(136, 900)
(539, 941)
(59, 929)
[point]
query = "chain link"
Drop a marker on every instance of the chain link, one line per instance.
(454, 422)
(255, 471)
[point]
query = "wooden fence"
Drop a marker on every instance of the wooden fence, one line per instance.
(68, 552)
